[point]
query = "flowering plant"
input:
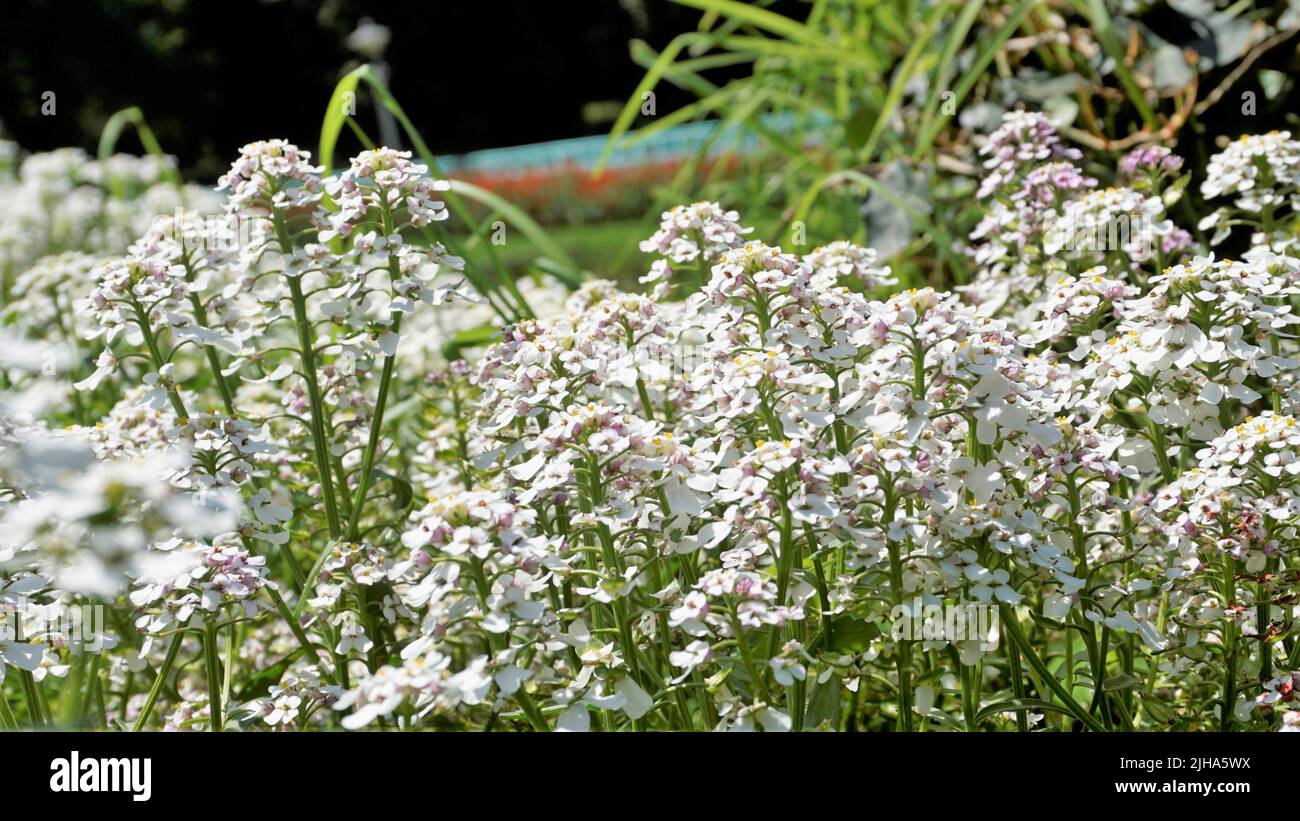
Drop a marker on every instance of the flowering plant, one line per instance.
(772, 492)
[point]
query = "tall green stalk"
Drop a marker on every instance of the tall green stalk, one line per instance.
(381, 400)
(163, 672)
(211, 659)
(320, 444)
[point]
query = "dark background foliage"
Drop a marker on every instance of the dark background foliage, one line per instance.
(211, 76)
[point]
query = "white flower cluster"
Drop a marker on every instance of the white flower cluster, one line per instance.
(716, 505)
(1261, 172)
(692, 548)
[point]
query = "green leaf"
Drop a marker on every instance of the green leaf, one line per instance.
(902, 77)
(402, 492)
(573, 275)
(1157, 709)
(1272, 82)
(685, 74)
(1104, 29)
(504, 287)
(255, 686)
(647, 84)
(1121, 682)
(890, 21)
(336, 115)
(940, 717)
(133, 117)
(561, 272)
(851, 634)
(1018, 705)
(859, 126)
(478, 337)
(684, 114)
(824, 703)
(947, 58)
(1174, 192)
(802, 55)
(974, 72)
(761, 18)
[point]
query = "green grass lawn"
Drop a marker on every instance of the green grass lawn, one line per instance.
(608, 250)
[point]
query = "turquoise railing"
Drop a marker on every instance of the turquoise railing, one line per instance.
(670, 144)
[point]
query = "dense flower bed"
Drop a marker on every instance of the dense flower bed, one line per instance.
(719, 504)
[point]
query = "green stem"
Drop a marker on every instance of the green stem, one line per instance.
(156, 357)
(1017, 681)
(747, 657)
(1069, 664)
(319, 444)
(823, 594)
(521, 697)
(1162, 453)
(1230, 647)
(372, 442)
(1018, 638)
(904, 655)
(968, 695)
(212, 662)
(232, 641)
(1263, 616)
(8, 720)
(165, 670)
(214, 361)
(918, 370)
(35, 706)
(92, 684)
